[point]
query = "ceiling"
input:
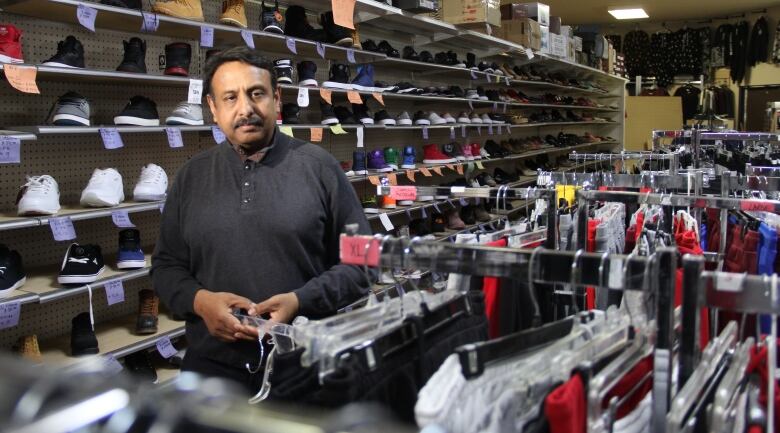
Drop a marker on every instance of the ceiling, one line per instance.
(595, 11)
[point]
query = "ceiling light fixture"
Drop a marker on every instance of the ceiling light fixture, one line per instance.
(629, 14)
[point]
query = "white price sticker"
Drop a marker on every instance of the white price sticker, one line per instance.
(151, 22)
(463, 131)
(115, 292)
(291, 45)
(218, 135)
(195, 93)
(9, 314)
(303, 97)
(121, 219)
(425, 132)
(10, 150)
(386, 221)
(452, 132)
(351, 55)
(457, 189)
(248, 38)
(206, 36)
(111, 138)
(165, 347)
(86, 16)
(360, 136)
(62, 229)
(174, 137)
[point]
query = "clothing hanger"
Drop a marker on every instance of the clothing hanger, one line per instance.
(730, 387)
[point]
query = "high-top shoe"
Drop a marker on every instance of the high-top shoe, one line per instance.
(283, 69)
(307, 71)
(334, 33)
(410, 53)
(148, 309)
(359, 162)
(364, 80)
(39, 196)
(233, 13)
(409, 158)
(152, 185)
(339, 77)
(12, 274)
(135, 56)
(82, 336)
(72, 109)
(105, 189)
(70, 54)
(186, 9)
(387, 49)
(345, 116)
(383, 118)
(471, 61)
(290, 114)
(432, 155)
(10, 44)
(376, 162)
(391, 157)
(328, 115)
(130, 254)
(362, 114)
(177, 58)
(140, 111)
(297, 25)
(271, 19)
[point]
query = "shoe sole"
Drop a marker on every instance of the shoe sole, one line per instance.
(177, 71)
(173, 120)
(60, 65)
(344, 42)
(84, 352)
(71, 118)
(284, 80)
(370, 210)
(463, 120)
(439, 161)
(131, 264)
(360, 172)
(311, 82)
(36, 207)
(80, 279)
(91, 199)
(438, 122)
(335, 85)
(364, 88)
(380, 170)
(408, 166)
(149, 197)
(135, 121)
(330, 121)
(422, 122)
(387, 122)
(406, 122)
(273, 29)
(9, 59)
(232, 22)
(6, 292)
(367, 121)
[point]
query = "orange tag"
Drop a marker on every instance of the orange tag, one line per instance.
(374, 180)
(410, 175)
(325, 94)
(22, 78)
(451, 166)
(403, 192)
(425, 171)
(354, 97)
(460, 168)
(437, 170)
(359, 250)
(316, 135)
(392, 178)
(343, 13)
(379, 98)
(278, 16)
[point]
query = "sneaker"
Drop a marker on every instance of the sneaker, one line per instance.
(27, 347)
(411, 54)
(296, 24)
(140, 111)
(467, 152)
(426, 56)
(497, 118)
(346, 166)
(463, 117)
(328, 116)
(472, 94)
(177, 59)
(420, 118)
(283, 69)
(388, 50)
(475, 118)
(82, 336)
(344, 116)
(364, 80)
(387, 201)
(339, 77)
(148, 310)
(471, 61)
(486, 120)
(290, 114)
(454, 222)
(403, 119)
(409, 158)
(83, 264)
(370, 205)
(391, 157)
(12, 274)
(359, 162)
(452, 151)
(448, 118)
(383, 118)
(307, 70)
(271, 19)
(70, 54)
(335, 34)
(186, 9)
(140, 367)
(362, 114)
(39, 196)
(438, 223)
(435, 119)
(130, 254)
(152, 185)
(432, 155)
(104, 189)
(72, 109)
(482, 96)
(376, 162)
(476, 152)
(10, 44)
(485, 179)
(134, 59)
(186, 114)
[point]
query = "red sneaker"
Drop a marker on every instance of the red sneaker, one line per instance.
(433, 155)
(10, 44)
(476, 151)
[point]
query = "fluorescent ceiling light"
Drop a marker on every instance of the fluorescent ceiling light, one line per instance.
(628, 14)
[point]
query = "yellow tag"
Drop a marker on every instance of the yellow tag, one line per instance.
(480, 166)
(337, 129)
(286, 130)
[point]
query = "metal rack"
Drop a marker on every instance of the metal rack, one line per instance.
(673, 158)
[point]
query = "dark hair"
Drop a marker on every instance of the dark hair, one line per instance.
(241, 54)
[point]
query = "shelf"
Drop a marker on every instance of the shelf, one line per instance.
(115, 338)
(22, 136)
(76, 213)
(79, 75)
(76, 130)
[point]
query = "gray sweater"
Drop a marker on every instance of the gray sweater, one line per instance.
(257, 230)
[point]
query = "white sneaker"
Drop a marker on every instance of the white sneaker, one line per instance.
(448, 118)
(104, 189)
(476, 119)
(152, 185)
(186, 114)
(40, 196)
(463, 117)
(435, 119)
(486, 120)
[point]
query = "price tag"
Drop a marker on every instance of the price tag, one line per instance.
(457, 189)
(174, 137)
(729, 282)
(248, 38)
(615, 274)
(425, 132)
(360, 136)
(111, 365)
(452, 132)
(9, 314)
(165, 347)
(425, 171)
(62, 228)
(320, 49)
(385, 220)
(115, 292)
(410, 175)
(22, 78)
(303, 97)
(529, 53)
(506, 79)
(195, 92)
(121, 218)
(355, 250)
(316, 135)
(291, 45)
(450, 166)
(374, 180)
(757, 205)
(218, 135)
(459, 169)
(86, 16)
(487, 78)
(10, 150)
(351, 55)
(480, 166)
(403, 192)
(392, 178)
(479, 130)
(325, 94)
(337, 129)
(463, 131)
(490, 129)
(286, 130)
(503, 110)
(436, 207)
(495, 106)
(354, 97)
(471, 106)
(151, 22)
(379, 98)
(206, 36)
(111, 138)
(437, 170)
(473, 75)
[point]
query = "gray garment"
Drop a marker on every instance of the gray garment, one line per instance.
(257, 230)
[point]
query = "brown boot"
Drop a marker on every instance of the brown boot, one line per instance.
(148, 306)
(233, 13)
(186, 9)
(27, 347)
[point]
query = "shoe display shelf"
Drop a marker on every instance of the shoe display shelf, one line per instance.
(9, 221)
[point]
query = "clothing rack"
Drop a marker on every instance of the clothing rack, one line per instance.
(623, 156)
(758, 170)
(692, 181)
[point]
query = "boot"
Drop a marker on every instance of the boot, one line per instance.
(177, 59)
(186, 9)
(27, 347)
(148, 309)
(233, 13)
(135, 56)
(271, 19)
(335, 34)
(297, 25)
(82, 336)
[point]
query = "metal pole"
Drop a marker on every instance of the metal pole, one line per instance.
(693, 266)
(662, 363)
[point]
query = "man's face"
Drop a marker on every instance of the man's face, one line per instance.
(243, 104)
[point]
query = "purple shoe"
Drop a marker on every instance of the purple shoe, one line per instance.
(376, 162)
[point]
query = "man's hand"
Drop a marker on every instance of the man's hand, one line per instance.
(215, 310)
(282, 308)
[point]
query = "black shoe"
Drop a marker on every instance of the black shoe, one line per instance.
(83, 264)
(492, 95)
(484, 67)
(13, 275)
(453, 60)
(70, 54)
(140, 366)
(369, 45)
(556, 116)
(481, 92)
(551, 140)
(129, 4)
(140, 111)
(495, 150)
(82, 336)
(410, 53)
(362, 114)
(335, 33)
(503, 177)
(290, 114)
(468, 215)
(383, 118)
(328, 116)
(148, 310)
(441, 58)
(438, 223)
(135, 56)
(177, 59)
(573, 117)
(419, 227)
(387, 49)
(283, 69)
(457, 92)
(297, 25)
(307, 71)
(339, 77)
(485, 179)
(471, 61)
(425, 56)
(345, 116)
(421, 118)
(269, 20)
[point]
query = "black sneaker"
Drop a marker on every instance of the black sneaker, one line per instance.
(283, 69)
(491, 94)
(441, 58)
(335, 33)
(82, 336)
(129, 4)
(453, 60)
(70, 54)
(421, 118)
(383, 118)
(471, 61)
(495, 150)
(457, 92)
(328, 116)
(135, 56)
(270, 18)
(387, 49)
(482, 95)
(410, 53)
(370, 45)
(297, 25)
(290, 114)
(362, 114)
(468, 215)
(307, 71)
(484, 67)
(140, 366)
(140, 111)
(344, 116)
(406, 88)
(12, 274)
(130, 254)
(83, 264)
(339, 77)
(425, 56)
(177, 59)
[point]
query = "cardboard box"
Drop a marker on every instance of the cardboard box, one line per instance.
(483, 28)
(567, 31)
(525, 32)
(578, 44)
(555, 25)
(538, 11)
(471, 11)
(545, 37)
(557, 45)
(513, 11)
(416, 6)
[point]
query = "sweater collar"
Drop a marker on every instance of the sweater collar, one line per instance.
(274, 153)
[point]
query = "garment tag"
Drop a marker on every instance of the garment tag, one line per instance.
(337, 129)
(206, 37)
(111, 138)
(325, 94)
(615, 274)
(287, 130)
(354, 97)
(360, 136)
(463, 131)
(729, 282)
(62, 228)
(291, 45)
(425, 132)
(9, 314)
(385, 220)
(121, 219)
(403, 192)
(22, 78)
(218, 135)
(165, 347)
(490, 129)
(303, 97)
(195, 92)
(320, 49)
(355, 250)
(10, 150)
(174, 137)
(379, 98)
(425, 171)
(248, 38)
(316, 135)
(151, 22)
(86, 16)
(452, 132)
(115, 292)
(351, 55)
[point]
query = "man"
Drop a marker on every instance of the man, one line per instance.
(256, 219)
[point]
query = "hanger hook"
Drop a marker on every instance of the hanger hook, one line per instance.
(531, 285)
(573, 279)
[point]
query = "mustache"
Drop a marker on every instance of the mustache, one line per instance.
(253, 121)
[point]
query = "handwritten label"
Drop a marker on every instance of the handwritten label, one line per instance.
(425, 171)
(206, 37)
(111, 365)
(351, 55)
(385, 220)
(354, 97)
(410, 175)
(115, 292)
(248, 38)
(86, 16)
(374, 180)
(62, 229)
(287, 130)
(337, 129)
(22, 78)
(195, 93)
(218, 135)
(9, 314)
(111, 138)
(121, 218)
(303, 97)
(165, 347)
(392, 178)
(174, 137)
(320, 49)
(326, 94)
(10, 150)
(291, 45)
(316, 135)
(403, 192)
(359, 136)
(150, 23)
(379, 98)
(359, 250)
(425, 132)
